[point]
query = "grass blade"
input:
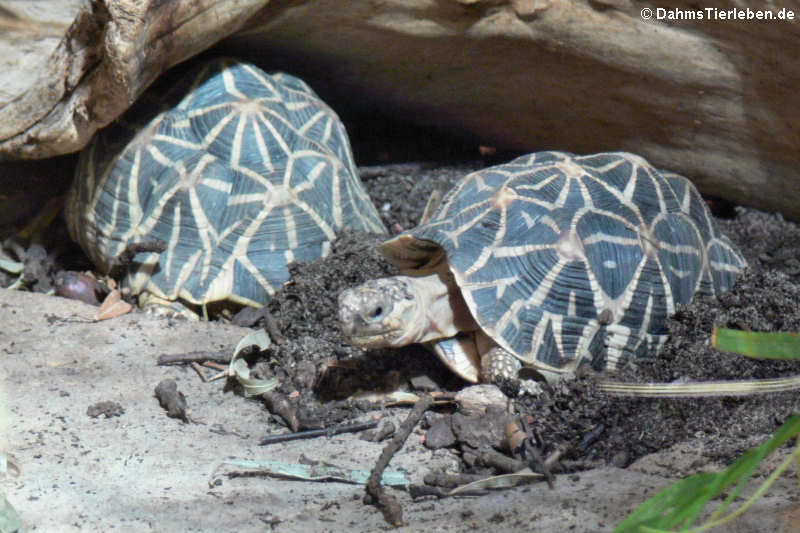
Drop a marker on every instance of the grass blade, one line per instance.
(700, 389)
(757, 344)
(680, 504)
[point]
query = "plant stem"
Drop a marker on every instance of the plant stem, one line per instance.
(795, 456)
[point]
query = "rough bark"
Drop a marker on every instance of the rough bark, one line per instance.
(111, 52)
(716, 100)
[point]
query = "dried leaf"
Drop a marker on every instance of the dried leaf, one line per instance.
(12, 267)
(238, 366)
(113, 306)
(504, 481)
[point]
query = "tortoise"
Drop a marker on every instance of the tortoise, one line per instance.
(549, 262)
(237, 171)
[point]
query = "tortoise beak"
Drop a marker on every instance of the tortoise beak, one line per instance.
(365, 316)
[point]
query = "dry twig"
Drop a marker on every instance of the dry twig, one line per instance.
(392, 512)
(278, 405)
(194, 357)
(199, 370)
(322, 432)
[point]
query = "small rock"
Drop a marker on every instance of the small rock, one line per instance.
(428, 419)
(477, 431)
(172, 399)
(440, 434)
(475, 400)
(107, 408)
(247, 317)
(423, 383)
(384, 430)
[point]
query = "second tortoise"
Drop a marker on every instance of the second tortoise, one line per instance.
(237, 171)
(549, 262)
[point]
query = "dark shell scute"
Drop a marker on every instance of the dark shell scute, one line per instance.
(612, 251)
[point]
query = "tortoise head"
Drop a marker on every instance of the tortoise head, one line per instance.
(381, 312)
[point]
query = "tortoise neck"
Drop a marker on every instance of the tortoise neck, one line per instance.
(442, 312)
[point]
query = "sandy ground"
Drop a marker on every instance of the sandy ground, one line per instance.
(142, 471)
(139, 470)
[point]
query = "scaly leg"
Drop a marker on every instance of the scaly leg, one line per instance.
(502, 368)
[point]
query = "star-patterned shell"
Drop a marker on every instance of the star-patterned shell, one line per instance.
(238, 171)
(566, 259)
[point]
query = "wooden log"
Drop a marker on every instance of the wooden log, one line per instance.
(716, 100)
(111, 52)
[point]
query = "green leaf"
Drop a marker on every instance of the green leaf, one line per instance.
(756, 344)
(679, 505)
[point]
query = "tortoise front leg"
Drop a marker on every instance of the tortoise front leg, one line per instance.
(502, 368)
